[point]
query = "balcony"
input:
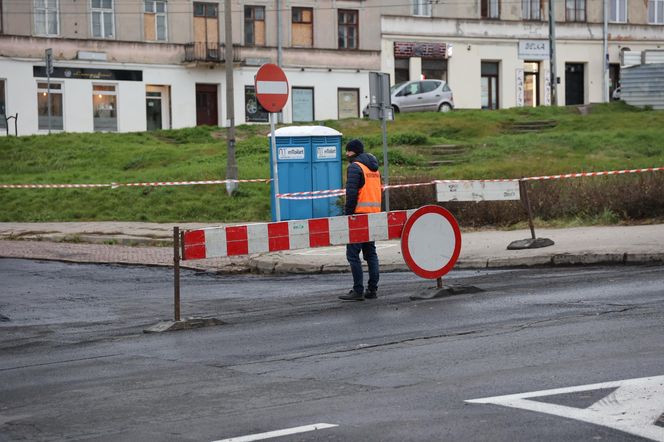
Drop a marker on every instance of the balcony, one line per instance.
(207, 52)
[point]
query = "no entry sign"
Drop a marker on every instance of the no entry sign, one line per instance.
(431, 242)
(271, 87)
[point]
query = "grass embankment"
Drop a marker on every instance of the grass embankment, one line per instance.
(613, 136)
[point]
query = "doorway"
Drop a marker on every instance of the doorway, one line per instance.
(531, 81)
(206, 105)
(489, 85)
(574, 84)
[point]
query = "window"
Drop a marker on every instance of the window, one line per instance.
(303, 104)
(422, 8)
(348, 103)
(348, 29)
(303, 27)
(55, 122)
(46, 17)
(254, 25)
(105, 107)
(656, 12)
(401, 70)
(3, 106)
(531, 9)
(102, 18)
(490, 9)
(154, 20)
(618, 11)
(575, 10)
(434, 68)
(206, 10)
(253, 111)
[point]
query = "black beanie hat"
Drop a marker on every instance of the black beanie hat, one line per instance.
(355, 146)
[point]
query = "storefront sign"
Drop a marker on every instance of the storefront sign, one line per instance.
(89, 74)
(533, 49)
(407, 49)
(519, 87)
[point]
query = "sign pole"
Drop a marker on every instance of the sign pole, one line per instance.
(49, 70)
(275, 168)
(385, 162)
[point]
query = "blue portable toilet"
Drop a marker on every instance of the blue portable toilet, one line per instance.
(308, 159)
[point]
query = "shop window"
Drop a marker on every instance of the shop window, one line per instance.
(531, 9)
(401, 70)
(303, 104)
(155, 21)
(575, 10)
(46, 17)
(490, 8)
(434, 69)
(103, 22)
(105, 108)
(253, 111)
(348, 29)
(55, 122)
(3, 105)
(421, 8)
(302, 27)
(656, 12)
(254, 25)
(348, 103)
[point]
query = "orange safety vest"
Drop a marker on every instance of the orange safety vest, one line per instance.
(369, 196)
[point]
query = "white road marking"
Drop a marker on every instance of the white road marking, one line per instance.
(633, 408)
(279, 433)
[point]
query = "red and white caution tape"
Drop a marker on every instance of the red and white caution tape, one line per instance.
(116, 185)
(321, 193)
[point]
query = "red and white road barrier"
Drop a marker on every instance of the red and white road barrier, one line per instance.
(214, 242)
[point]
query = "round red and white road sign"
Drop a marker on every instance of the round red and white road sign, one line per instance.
(271, 87)
(431, 242)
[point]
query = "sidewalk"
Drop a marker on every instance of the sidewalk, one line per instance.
(148, 244)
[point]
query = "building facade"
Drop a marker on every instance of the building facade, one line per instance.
(136, 65)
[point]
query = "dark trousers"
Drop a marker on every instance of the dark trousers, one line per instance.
(368, 250)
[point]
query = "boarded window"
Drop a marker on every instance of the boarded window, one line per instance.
(254, 25)
(348, 103)
(154, 20)
(303, 27)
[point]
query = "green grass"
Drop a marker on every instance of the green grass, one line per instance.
(612, 136)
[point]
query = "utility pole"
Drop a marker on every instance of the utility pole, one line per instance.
(279, 49)
(605, 52)
(552, 53)
(231, 164)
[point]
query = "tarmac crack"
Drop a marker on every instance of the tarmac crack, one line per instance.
(60, 362)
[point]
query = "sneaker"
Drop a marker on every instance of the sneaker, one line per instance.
(352, 296)
(371, 294)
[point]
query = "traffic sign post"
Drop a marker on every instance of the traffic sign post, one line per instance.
(271, 87)
(430, 245)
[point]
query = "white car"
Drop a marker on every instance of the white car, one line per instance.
(420, 95)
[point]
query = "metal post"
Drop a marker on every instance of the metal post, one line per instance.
(526, 203)
(439, 282)
(552, 53)
(275, 169)
(231, 164)
(385, 162)
(48, 86)
(176, 273)
(605, 53)
(279, 47)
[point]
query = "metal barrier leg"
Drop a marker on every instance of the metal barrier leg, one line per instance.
(176, 273)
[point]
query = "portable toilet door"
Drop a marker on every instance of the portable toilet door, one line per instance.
(326, 172)
(305, 168)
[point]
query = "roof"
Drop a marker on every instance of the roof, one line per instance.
(305, 131)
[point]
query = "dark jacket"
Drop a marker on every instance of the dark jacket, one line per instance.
(355, 179)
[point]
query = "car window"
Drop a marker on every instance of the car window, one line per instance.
(410, 89)
(396, 87)
(446, 88)
(429, 86)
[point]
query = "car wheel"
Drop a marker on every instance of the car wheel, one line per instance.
(444, 107)
(395, 109)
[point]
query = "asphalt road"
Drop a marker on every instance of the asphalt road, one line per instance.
(76, 365)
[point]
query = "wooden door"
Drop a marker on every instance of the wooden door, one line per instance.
(206, 105)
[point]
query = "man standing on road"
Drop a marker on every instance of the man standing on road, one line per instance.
(363, 195)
